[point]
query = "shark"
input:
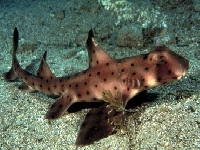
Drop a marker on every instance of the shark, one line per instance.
(130, 75)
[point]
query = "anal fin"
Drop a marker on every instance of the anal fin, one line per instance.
(25, 87)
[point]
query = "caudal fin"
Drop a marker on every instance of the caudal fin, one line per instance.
(11, 74)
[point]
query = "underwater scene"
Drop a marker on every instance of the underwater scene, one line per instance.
(100, 74)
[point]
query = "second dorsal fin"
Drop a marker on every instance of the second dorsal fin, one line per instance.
(44, 70)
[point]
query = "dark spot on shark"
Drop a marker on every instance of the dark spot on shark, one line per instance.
(133, 73)
(79, 95)
(158, 79)
(157, 65)
(70, 99)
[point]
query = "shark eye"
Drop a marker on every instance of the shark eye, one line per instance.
(160, 58)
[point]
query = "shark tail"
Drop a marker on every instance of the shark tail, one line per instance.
(11, 74)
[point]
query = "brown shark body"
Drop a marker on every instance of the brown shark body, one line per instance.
(129, 75)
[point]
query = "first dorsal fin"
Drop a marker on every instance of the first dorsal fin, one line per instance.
(44, 70)
(96, 54)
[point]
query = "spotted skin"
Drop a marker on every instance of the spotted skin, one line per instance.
(129, 75)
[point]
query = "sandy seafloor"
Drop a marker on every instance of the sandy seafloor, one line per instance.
(172, 121)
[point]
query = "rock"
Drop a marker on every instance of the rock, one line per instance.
(27, 47)
(150, 32)
(59, 15)
(130, 36)
(168, 38)
(80, 40)
(197, 53)
(91, 6)
(196, 5)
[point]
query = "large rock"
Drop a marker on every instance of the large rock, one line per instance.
(130, 36)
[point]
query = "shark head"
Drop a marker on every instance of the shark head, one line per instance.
(169, 66)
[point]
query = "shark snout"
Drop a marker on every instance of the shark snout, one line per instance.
(182, 68)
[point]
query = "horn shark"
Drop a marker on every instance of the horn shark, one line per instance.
(129, 75)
